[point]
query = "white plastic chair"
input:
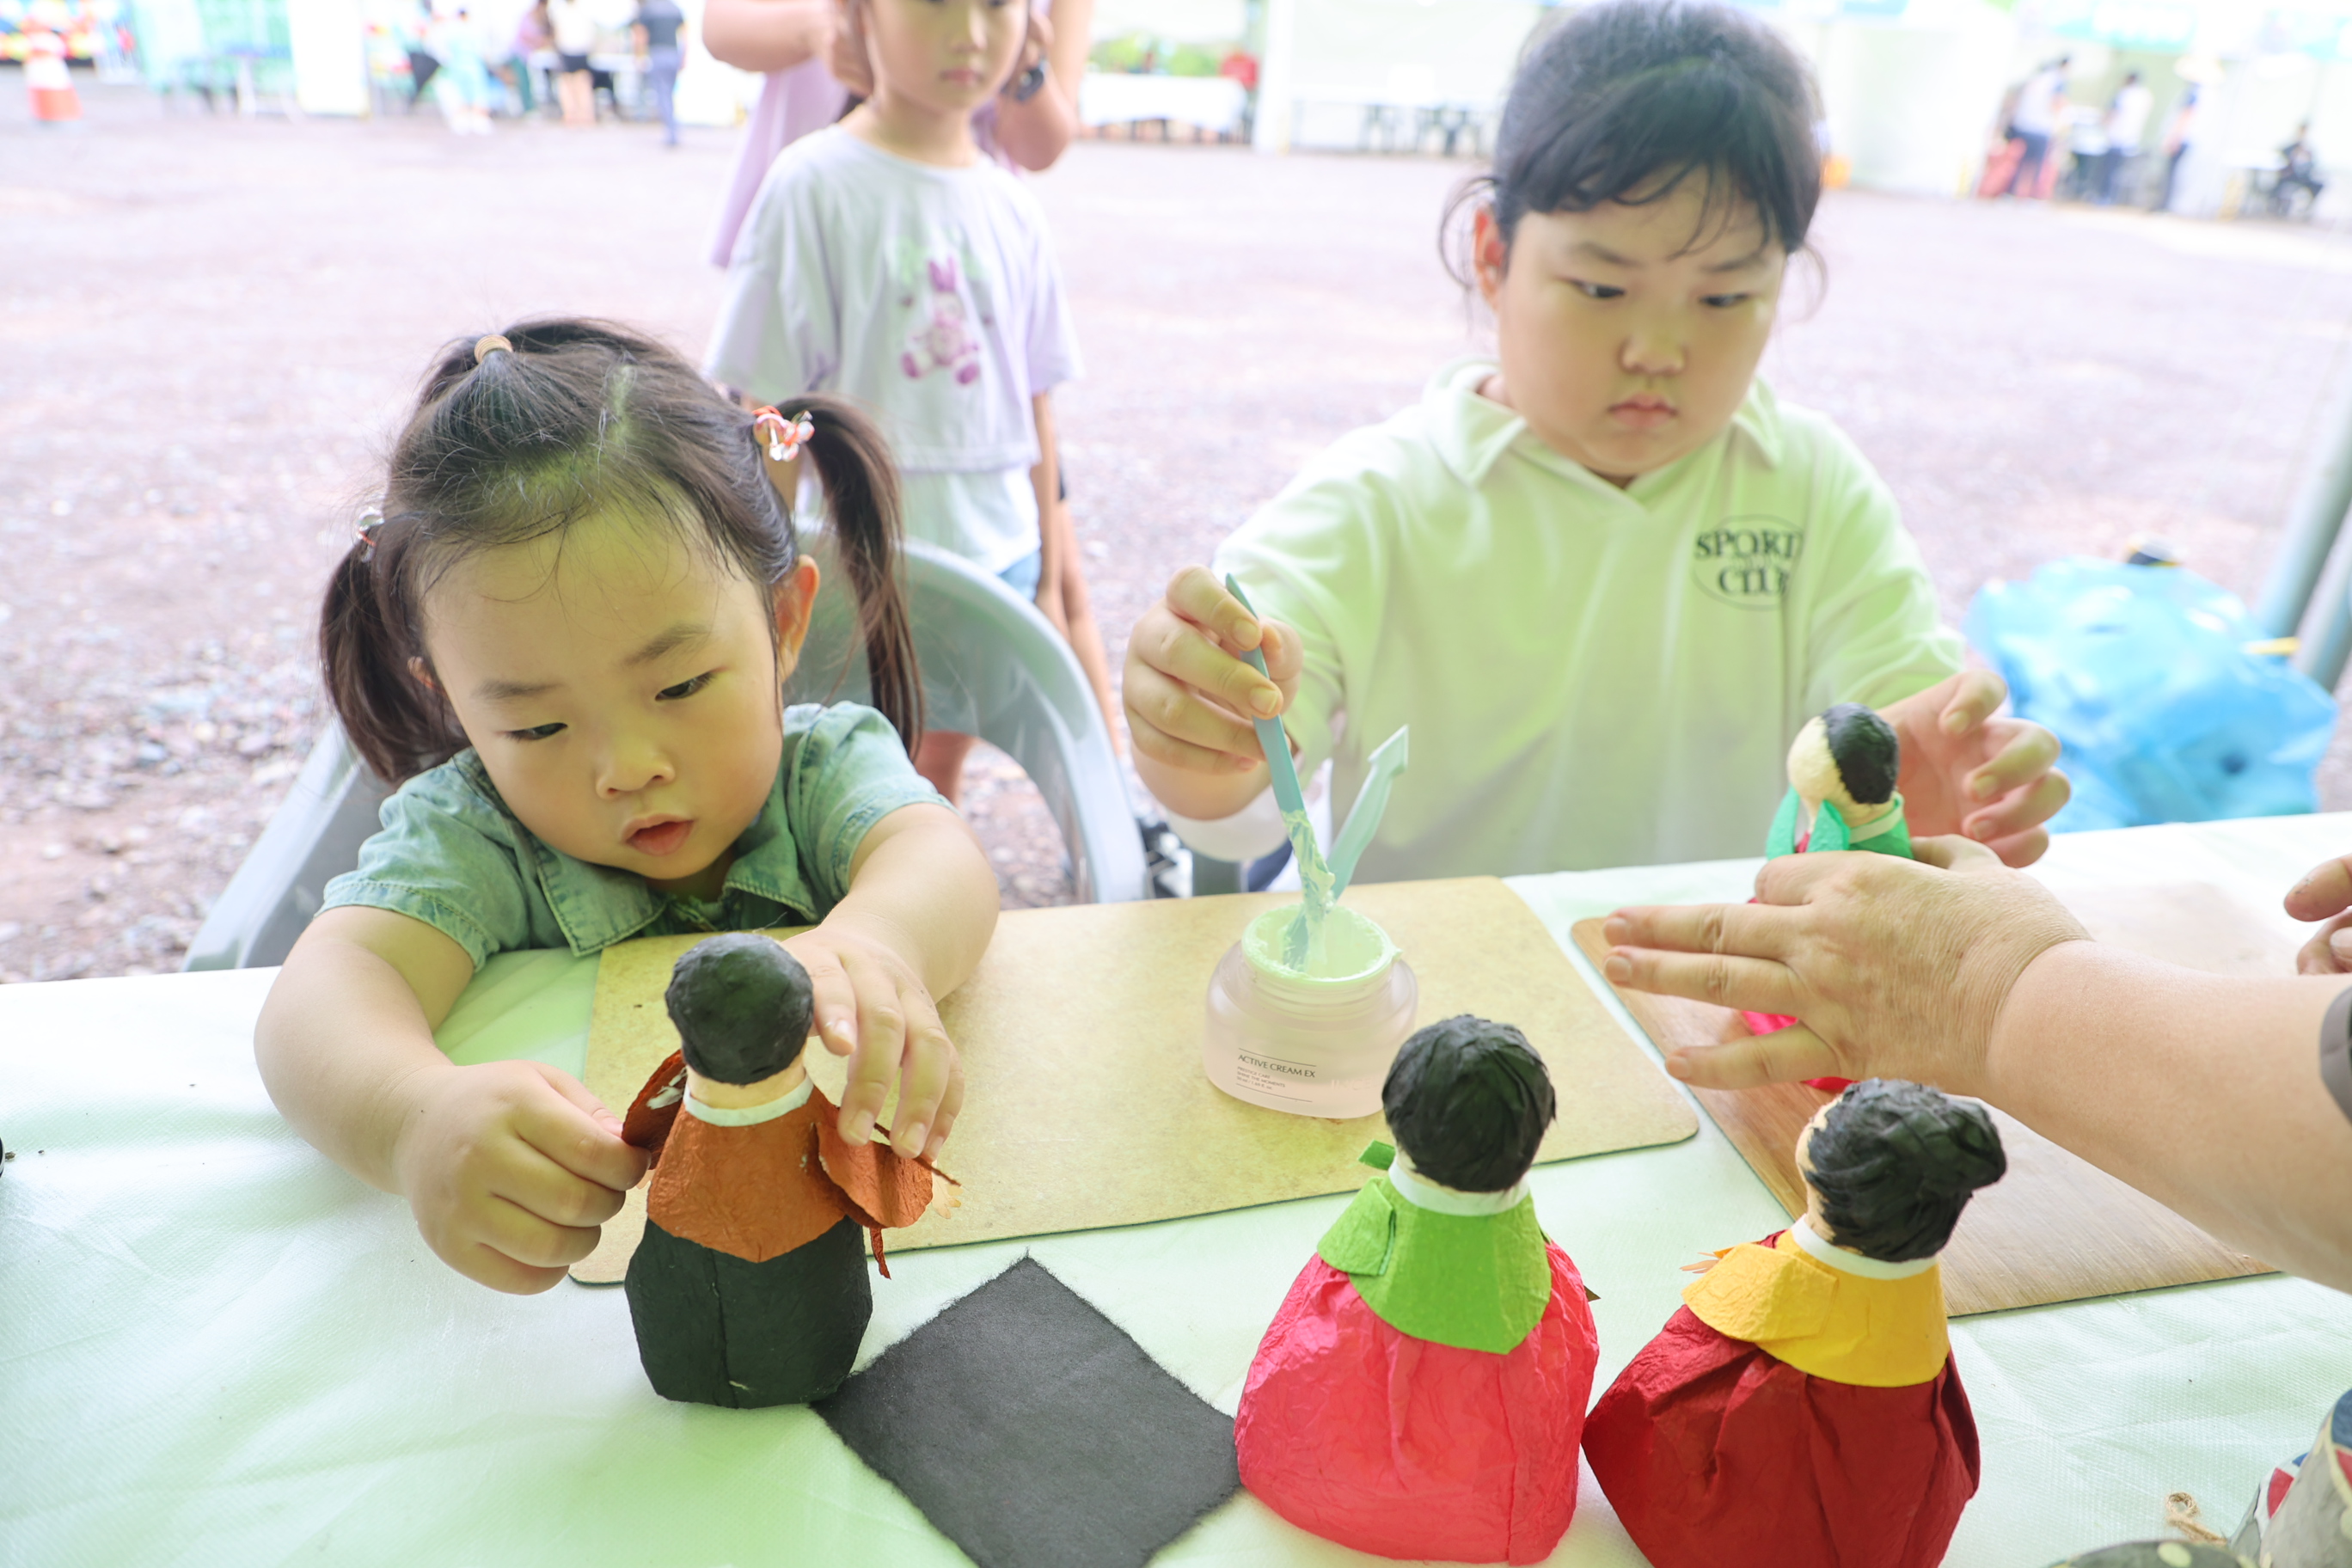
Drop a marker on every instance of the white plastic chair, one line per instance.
(995, 668)
(992, 667)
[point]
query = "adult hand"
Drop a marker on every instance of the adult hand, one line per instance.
(510, 1168)
(847, 56)
(2325, 894)
(1964, 772)
(872, 1007)
(1187, 688)
(1896, 968)
(1033, 50)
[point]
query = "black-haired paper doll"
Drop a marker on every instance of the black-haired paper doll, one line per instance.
(1841, 771)
(750, 1287)
(1801, 1409)
(1421, 1392)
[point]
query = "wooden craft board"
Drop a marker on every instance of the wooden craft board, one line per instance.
(1086, 1105)
(2056, 1228)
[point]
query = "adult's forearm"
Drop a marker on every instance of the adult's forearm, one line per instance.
(2200, 1091)
(767, 35)
(1037, 133)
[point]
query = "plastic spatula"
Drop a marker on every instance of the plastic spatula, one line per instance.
(1314, 876)
(1381, 770)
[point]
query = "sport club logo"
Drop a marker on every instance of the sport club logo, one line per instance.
(1748, 560)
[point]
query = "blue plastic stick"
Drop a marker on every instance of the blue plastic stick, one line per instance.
(1364, 820)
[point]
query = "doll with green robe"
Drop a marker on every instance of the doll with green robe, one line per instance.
(1841, 772)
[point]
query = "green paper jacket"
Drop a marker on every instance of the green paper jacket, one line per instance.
(1830, 831)
(1478, 1282)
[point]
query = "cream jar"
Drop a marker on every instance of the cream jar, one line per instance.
(1316, 1042)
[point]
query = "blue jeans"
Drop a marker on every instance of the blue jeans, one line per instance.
(1024, 575)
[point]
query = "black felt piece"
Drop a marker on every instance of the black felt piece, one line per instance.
(1034, 1433)
(714, 1330)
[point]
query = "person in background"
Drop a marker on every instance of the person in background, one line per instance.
(2040, 104)
(463, 84)
(416, 33)
(2298, 171)
(890, 260)
(813, 64)
(534, 36)
(658, 30)
(2127, 123)
(2087, 149)
(574, 23)
(2179, 135)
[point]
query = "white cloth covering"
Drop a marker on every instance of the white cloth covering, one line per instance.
(1594, 677)
(201, 1315)
(930, 295)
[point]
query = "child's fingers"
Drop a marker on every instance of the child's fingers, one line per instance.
(486, 1265)
(833, 1014)
(1976, 695)
(1195, 594)
(927, 1070)
(1166, 709)
(532, 1239)
(2023, 811)
(881, 1043)
(2023, 753)
(580, 1139)
(1184, 654)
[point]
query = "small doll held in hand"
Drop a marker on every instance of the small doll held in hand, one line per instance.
(750, 1287)
(1421, 1392)
(1841, 772)
(1801, 1410)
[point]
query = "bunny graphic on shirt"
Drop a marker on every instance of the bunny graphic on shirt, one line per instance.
(940, 339)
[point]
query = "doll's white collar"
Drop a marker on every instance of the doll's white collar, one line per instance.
(1876, 826)
(1854, 1263)
(749, 1115)
(1423, 1193)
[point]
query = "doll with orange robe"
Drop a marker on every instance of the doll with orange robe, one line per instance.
(750, 1287)
(1801, 1410)
(1421, 1392)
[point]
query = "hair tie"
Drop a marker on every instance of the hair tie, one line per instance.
(370, 522)
(484, 347)
(782, 436)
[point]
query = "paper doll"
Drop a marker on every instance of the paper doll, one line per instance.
(1841, 772)
(750, 1287)
(1801, 1410)
(2302, 1513)
(1421, 1392)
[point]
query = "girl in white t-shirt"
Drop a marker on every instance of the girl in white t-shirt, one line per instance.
(886, 258)
(1604, 575)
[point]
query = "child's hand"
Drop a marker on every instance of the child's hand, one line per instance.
(872, 1007)
(1189, 697)
(1966, 772)
(510, 1168)
(2325, 894)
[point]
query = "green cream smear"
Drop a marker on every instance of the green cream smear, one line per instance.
(1350, 949)
(1303, 947)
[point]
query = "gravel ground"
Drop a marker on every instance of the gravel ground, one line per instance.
(211, 325)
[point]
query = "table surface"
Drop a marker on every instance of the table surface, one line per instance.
(215, 1347)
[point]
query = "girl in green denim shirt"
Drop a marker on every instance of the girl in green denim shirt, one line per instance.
(567, 633)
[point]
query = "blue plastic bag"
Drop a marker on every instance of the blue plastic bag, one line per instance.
(2143, 673)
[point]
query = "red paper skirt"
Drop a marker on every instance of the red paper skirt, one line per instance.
(1713, 1452)
(1394, 1446)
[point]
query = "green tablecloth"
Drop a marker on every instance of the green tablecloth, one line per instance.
(214, 1347)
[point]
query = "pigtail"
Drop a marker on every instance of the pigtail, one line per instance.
(398, 725)
(861, 496)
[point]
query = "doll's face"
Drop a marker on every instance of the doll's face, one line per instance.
(1812, 772)
(1805, 1174)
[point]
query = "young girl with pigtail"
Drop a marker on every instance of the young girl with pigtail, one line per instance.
(564, 635)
